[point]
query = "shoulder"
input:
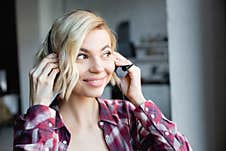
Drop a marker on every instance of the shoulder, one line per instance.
(36, 116)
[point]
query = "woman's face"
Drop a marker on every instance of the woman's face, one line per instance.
(95, 63)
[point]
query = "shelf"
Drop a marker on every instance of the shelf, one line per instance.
(151, 52)
(157, 44)
(152, 58)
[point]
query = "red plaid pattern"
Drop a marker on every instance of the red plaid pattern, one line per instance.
(125, 128)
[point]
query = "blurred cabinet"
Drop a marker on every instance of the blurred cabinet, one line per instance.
(9, 71)
(8, 108)
(152, 58)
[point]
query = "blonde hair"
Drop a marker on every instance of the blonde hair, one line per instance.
(65, 38)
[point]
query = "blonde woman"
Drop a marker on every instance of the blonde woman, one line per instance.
(75, 63)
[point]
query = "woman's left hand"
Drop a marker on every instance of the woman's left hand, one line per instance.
(130, 85)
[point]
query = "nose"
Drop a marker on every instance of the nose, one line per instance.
(96, 66)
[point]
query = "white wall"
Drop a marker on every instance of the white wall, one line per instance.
(148, 17)
(33, 21)
(197, 57)
(28, 41)
(48, 11)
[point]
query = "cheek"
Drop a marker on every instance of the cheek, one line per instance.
(81, 70)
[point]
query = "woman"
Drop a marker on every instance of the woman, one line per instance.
(76, 62)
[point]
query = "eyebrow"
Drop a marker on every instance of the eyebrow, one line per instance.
(86, 50)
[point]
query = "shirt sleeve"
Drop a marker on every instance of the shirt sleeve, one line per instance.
(33, 130)
(153, 131)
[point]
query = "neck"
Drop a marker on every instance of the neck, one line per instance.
(80, 111)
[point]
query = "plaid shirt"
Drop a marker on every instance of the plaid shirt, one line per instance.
(125, 128)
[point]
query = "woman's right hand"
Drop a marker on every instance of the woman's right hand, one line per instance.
(42, 78)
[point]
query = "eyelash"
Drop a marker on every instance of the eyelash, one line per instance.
(82, 54)
(108, 53)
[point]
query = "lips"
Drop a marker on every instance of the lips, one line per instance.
(95, 82)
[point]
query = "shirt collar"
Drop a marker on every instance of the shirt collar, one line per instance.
(58, 120)
(105, 114)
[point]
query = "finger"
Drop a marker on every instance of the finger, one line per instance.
(121, 60)
(134, 73)
(51, 55)
(45, 61)
(50, 58)
(48, 68)
(53, 73)
(43, 75)
(37, 70)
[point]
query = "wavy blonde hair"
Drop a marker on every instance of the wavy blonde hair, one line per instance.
(65, 38)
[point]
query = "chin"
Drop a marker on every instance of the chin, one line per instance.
(96, 94)
(93, 92)
(92, 95)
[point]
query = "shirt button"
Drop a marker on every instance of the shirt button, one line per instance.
(65, 142)
(146, 109)
(101, 123)
(166, 133)
(153, 116)
(50, 124)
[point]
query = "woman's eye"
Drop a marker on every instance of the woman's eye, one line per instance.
(82, 56)
(107, 53)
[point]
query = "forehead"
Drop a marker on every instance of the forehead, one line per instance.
(96, 39)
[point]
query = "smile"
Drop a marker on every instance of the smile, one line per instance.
(95, 82)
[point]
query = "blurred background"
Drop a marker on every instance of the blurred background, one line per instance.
(179, 46)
